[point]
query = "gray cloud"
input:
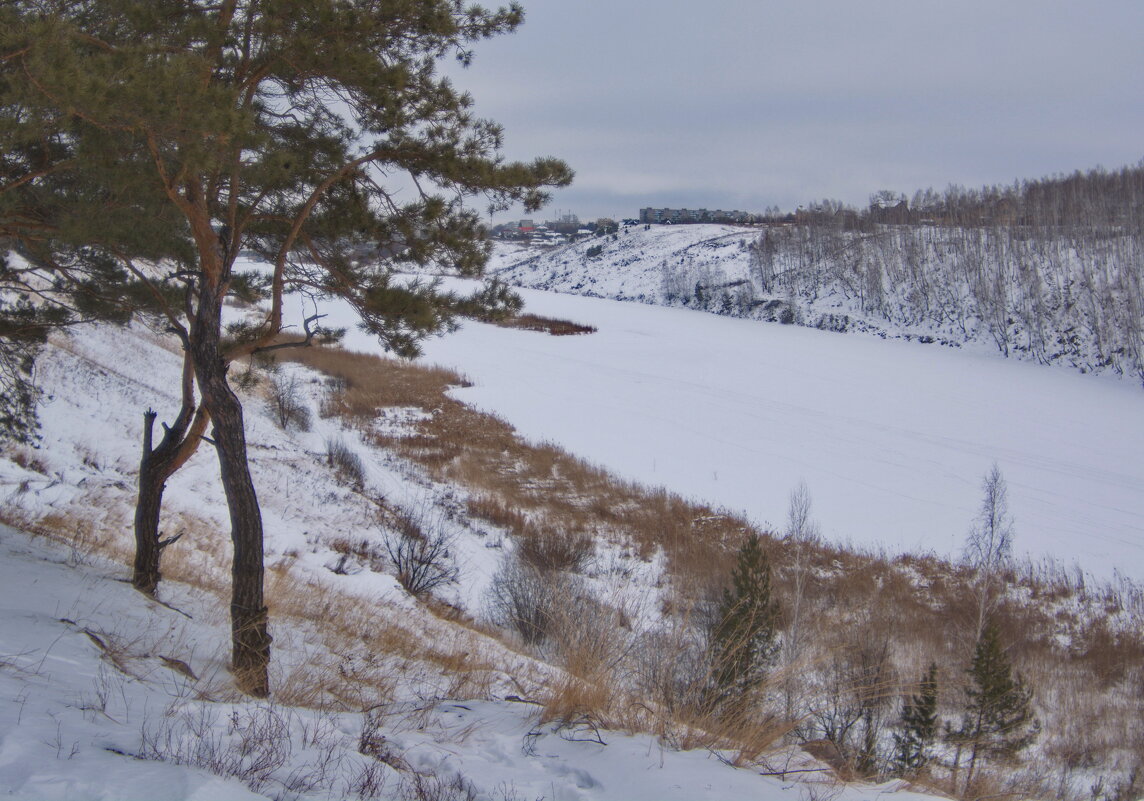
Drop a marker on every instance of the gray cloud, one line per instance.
(747, 104)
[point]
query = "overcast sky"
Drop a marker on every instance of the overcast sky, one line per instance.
(746, 104)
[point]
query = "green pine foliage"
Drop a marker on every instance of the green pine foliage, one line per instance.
(21, 334)
(77, 210)
(744, 638)
(998, 720)
(919, 725)
(494, 302)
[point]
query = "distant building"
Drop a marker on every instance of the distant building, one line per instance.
(677, 216)
(890, 213)
(521, 229)
(565, 224)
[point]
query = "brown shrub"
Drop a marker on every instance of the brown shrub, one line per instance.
(524, 600)
(346, 463)
(1110, 654)
(547, 325)
(549, 549)
(494, 510)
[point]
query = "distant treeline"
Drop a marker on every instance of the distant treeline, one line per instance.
(1096, 198)
(1049, 270)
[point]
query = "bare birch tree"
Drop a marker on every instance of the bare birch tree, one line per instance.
(989, 546)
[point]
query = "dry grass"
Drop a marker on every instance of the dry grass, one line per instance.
(28, 459)
(352, 653)
(370, 648)
(547, 325)
(363, 383)
(551, 550)
(598, 690)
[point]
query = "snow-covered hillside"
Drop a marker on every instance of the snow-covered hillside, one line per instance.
(631, 264)
(95, 673)
(1073, 298)
(97, 701)
(105, 694)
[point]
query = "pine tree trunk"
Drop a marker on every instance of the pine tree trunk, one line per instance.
(250, 641)
(145, 577)
(156, 465)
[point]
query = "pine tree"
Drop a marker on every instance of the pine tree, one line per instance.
(64, 231)
(919, 725)
(273, 127)
(998, 719)
(743, 641)
(22, 331)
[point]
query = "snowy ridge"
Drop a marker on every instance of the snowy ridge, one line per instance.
(631, 265)
(1050, 298)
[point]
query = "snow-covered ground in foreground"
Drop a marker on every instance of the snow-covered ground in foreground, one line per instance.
(892, 438)
(90, 694)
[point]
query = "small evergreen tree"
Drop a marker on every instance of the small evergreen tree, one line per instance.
(998, 719)
(919, 725)
(743, 640)
(23, 328)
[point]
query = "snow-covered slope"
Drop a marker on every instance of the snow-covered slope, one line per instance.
(891, 437)
(630, 265)
(95, 704)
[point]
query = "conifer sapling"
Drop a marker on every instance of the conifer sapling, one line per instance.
(744, 637)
